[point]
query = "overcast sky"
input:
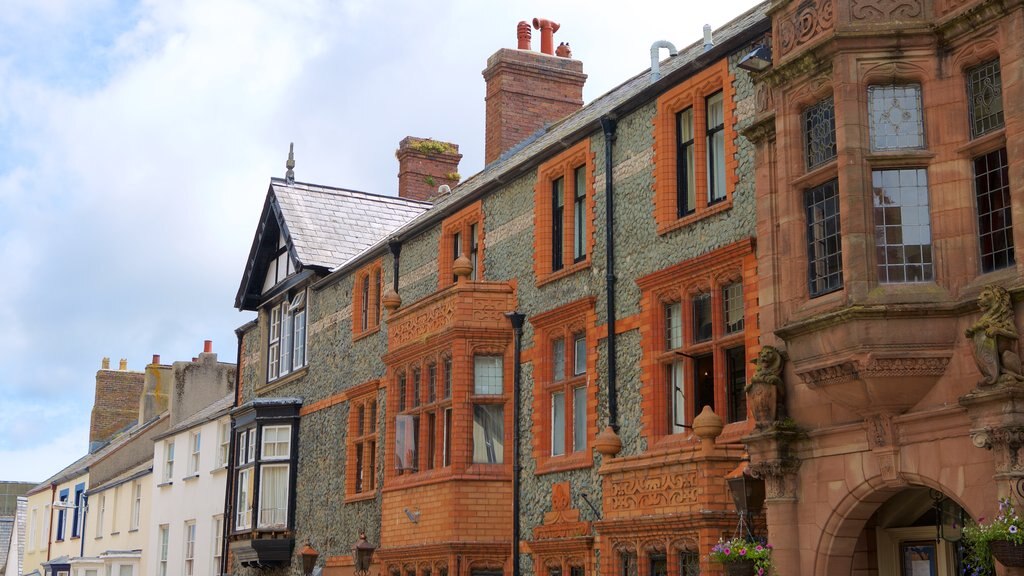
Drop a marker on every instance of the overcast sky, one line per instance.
(137, 140)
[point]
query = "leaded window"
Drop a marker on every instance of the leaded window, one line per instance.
(896, 119)
(995, 224)
(732, 301)
(819, 123)
(903, 244)
(985, 95)
(824, 246)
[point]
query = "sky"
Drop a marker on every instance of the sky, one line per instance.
(137, 139)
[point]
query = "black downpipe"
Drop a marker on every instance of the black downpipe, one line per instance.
(83, 508)
(517, 320)
(608, 124)
(396, 251)
(229, 490)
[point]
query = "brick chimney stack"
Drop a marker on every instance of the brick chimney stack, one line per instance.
(116, 404)
(424, 164)
(527, 90)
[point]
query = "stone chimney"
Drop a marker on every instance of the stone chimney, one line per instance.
(115, 406)
(527, 90)
(155, 391)
(199, 383)
(424, 164)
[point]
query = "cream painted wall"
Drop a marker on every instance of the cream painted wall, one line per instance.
(40, 531)
(118, 531)
(189, 495)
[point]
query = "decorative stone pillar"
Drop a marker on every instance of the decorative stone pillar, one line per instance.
(771, 459)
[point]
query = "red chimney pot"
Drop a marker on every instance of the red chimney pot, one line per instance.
(207, 346)
(547, 34)
(523, 34)
(156, 358)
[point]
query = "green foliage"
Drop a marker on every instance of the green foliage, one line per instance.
(453, 176)
(429, 180)
(432, 147)
(741, 549)
(1007, 525)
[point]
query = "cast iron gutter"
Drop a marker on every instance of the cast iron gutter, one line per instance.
(517, 320)
(531, 161)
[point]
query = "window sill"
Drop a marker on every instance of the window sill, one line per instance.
(167, 483)
(219, 470)
(191, 477)
(700, 214)
(816, 176)
(575, 461)
(357, 336)
(283, 380)
(984, 144)
(899, 158)
(360, 496)
(133, 530)
(116, 533)
(567, 271)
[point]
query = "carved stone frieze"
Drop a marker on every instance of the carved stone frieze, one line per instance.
(831, 375)
(881, 432)
(426, 322)
(886, 10)
(764, 100)
(663, 489)
(943, 7)
(809, 20)
(898, 367)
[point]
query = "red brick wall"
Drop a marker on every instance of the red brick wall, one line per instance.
(525, 91)
(116, 404)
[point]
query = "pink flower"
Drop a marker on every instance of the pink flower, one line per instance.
(759, 548)
(743, 551)
(727, 551)
(760, 572)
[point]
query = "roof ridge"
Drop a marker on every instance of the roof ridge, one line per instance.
(338, 191)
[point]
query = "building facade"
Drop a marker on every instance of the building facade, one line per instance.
(383, 387)
(889, 186)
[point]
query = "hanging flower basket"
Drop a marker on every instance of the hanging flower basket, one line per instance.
(1008, 553)
(743, 557)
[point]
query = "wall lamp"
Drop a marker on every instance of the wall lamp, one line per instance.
(362, 553)
(759, 60)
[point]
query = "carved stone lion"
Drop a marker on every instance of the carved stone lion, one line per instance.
(765, 390)
(994, 338)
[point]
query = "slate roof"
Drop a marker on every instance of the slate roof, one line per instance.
(325, 227)
(328, 226)
(640, 89)
(129, 474)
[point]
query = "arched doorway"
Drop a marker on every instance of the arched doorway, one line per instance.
(912, 532)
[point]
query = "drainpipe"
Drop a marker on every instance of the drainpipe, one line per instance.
(49, 532)
(517, 320)
(396, 251)
(83, 509)
(228, 492)
(608, 124)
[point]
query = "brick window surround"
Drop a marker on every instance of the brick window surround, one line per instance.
(422, 393)
(563, 166)
(692, 94)
(361, 442)
(461, 226)
(366, 293)
(684, 283)
(564, 323)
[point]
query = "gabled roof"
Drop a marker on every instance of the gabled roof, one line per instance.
(323, 227)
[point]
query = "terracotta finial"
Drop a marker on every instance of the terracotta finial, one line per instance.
(608, 442)
(523, 34)
(391, 300)
(462, 267)
(563, 50)
(707, 426)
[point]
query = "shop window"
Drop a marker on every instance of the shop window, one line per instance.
(992, 202)
(462, 234)
(286, 349)
(562, 415)
(564, 212)
(819, 128)
(985, 98)
(694, 148)
(366, 303)
(696, 349)
(903, 244)
(824, 245)
(895, 117)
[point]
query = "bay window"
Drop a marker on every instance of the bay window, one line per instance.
(488, 413)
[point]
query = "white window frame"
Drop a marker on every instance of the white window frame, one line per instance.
(163, 543)
(272, 442)
(189, 548)
(243, 504)
(286, 345)
(136, 505)
(217, 544)
(224, 443)
(168, 461)
(194, 442)
(101, 510)
(283, 521)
